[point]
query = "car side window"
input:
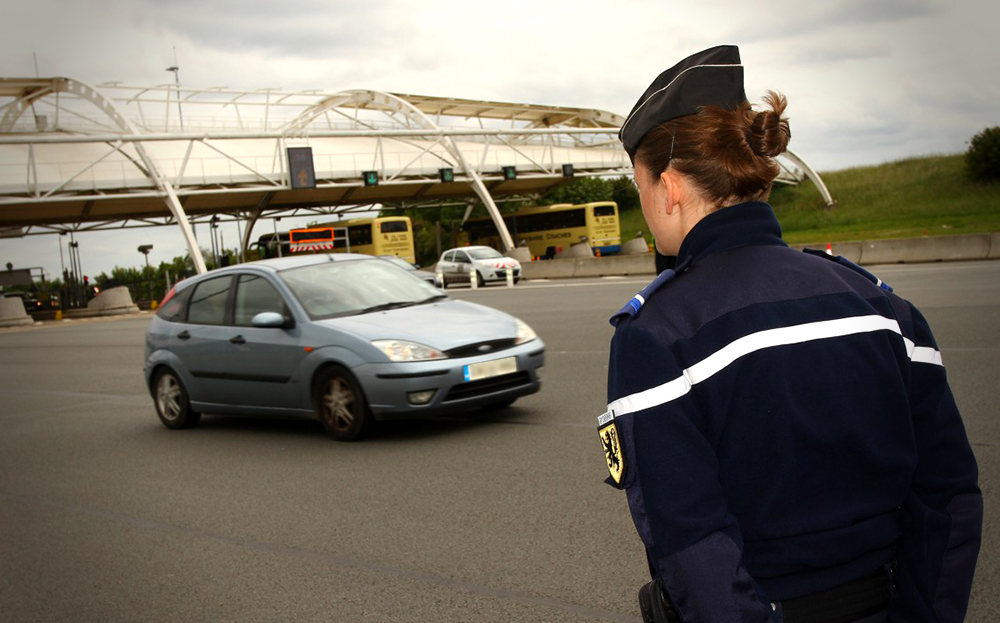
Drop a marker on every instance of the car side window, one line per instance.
(255, 295)
(461, 257)
(173, 310)
(208, 301)
(449, 256)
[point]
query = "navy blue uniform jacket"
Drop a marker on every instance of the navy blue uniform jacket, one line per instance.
(784, 425)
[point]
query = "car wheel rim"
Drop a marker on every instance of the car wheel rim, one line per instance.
(338, 404)
(169, 397)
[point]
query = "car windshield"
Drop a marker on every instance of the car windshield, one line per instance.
(351, 287)
(483, 254)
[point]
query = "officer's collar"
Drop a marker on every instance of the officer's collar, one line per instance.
(744, 224)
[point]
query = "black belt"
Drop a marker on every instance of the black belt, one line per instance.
(848, 602)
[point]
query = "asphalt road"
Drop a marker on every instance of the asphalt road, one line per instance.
(105, 515)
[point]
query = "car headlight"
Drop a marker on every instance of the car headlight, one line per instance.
(400, 350)
(524, 332)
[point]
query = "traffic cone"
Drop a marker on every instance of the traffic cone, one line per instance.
(829, 249)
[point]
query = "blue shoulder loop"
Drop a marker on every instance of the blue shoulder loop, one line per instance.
(636, 302)
(843, 261)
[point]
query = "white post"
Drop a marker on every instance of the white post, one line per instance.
(472, 277)
(440, 276)
(510, 276)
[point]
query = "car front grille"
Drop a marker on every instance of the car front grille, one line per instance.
(481, 348)
(472, 389)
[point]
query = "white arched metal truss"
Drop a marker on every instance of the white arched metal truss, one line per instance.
(141, 160)
(395, 104)
(173, 155)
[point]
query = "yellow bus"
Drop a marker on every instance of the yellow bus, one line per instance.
(550, 229)
(383, 235)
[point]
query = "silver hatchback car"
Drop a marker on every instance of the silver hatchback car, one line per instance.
(343, 338)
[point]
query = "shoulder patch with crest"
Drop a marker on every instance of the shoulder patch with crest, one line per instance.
(612, 446)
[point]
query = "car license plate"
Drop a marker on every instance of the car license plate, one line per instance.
(486, 369)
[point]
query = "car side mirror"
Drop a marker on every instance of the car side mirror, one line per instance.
(272, 320)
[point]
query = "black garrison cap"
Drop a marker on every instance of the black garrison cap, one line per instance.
(713, 77)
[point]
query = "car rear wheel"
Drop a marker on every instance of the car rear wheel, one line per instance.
(171, 399)
(341, 405)
(479, 279)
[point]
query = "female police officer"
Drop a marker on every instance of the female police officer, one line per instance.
(780, 421)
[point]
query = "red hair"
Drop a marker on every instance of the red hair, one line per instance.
(727, 154)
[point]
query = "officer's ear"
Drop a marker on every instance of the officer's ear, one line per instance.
(674, 189)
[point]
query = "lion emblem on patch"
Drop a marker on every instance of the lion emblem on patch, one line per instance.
(612, 445)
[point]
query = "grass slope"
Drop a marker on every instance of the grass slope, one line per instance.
(909, 198)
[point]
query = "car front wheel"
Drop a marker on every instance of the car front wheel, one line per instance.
(341, 406)
(172, 404)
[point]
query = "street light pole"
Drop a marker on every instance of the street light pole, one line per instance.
(145, 249)
(76, 272)
(62, 262)
(74, 259)
(177, 83)
(239, 237)
(215, 252)
(277, 238)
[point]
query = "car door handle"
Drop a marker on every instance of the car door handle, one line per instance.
(183, 335)
(238, 339)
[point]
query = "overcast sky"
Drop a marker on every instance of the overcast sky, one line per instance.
(868, 81)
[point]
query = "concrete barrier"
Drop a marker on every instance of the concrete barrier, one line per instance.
(12, 312)
(634, 264)
(590, 267)
(930, 249)
(635, 246)
(111, 302)
(549, 269)
(521, 254)
(850, 250)
(579, 249)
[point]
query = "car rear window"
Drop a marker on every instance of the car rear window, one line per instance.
(173, 309)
